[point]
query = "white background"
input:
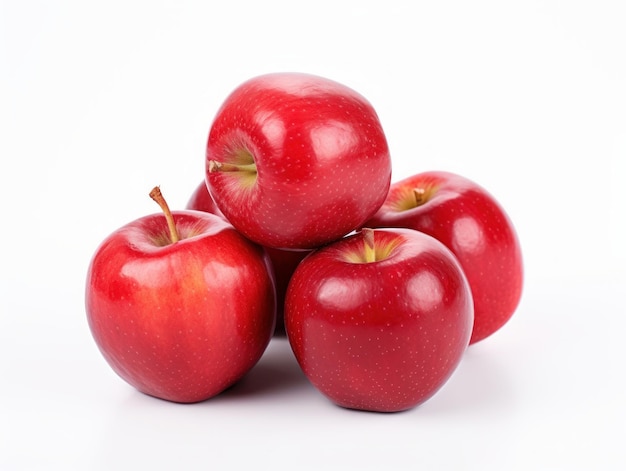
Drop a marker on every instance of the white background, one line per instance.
(100, 101)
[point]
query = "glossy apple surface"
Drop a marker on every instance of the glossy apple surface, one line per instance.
(180, 321)
(379, 322)
(296, 161)
(201, 200)
(283, 262)
(469, 221)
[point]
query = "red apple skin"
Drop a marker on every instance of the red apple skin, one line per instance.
(381, 336)
(183, 321)
(201, 200)
(321, 164)
(471, 223)
(284, 262)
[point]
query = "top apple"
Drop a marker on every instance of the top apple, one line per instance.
(296, 161)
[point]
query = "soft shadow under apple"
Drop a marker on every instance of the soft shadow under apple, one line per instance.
(276, 373)
(481, 384)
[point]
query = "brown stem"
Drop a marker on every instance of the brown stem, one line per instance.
(215, 166)
(419, 194)
(156, 195)
(370, 246)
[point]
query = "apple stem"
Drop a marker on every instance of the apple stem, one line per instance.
(419, 194)
(157, 196)
(370, 247)
(215, 166)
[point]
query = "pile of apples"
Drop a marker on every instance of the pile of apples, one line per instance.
(297, 229)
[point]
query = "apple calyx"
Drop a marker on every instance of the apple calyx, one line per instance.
(157, 196)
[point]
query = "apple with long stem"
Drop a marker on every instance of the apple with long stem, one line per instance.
(284, 262)
(379, 320)
(180, 304)
(470, 222)
(295, 161)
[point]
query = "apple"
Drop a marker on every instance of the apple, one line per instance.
(201, 200)
(471, 223)
(379, 320)
(295, 161)
(180, 304)
(283, 262)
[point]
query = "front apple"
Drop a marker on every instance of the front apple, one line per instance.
(379, 320)
(296, 161)
(182, 320)
(469, 221)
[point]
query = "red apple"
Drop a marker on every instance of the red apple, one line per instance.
(181, 306)
(296, 161)
(283, 262)
(471, 223)
(201, 200)
(379, 320)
